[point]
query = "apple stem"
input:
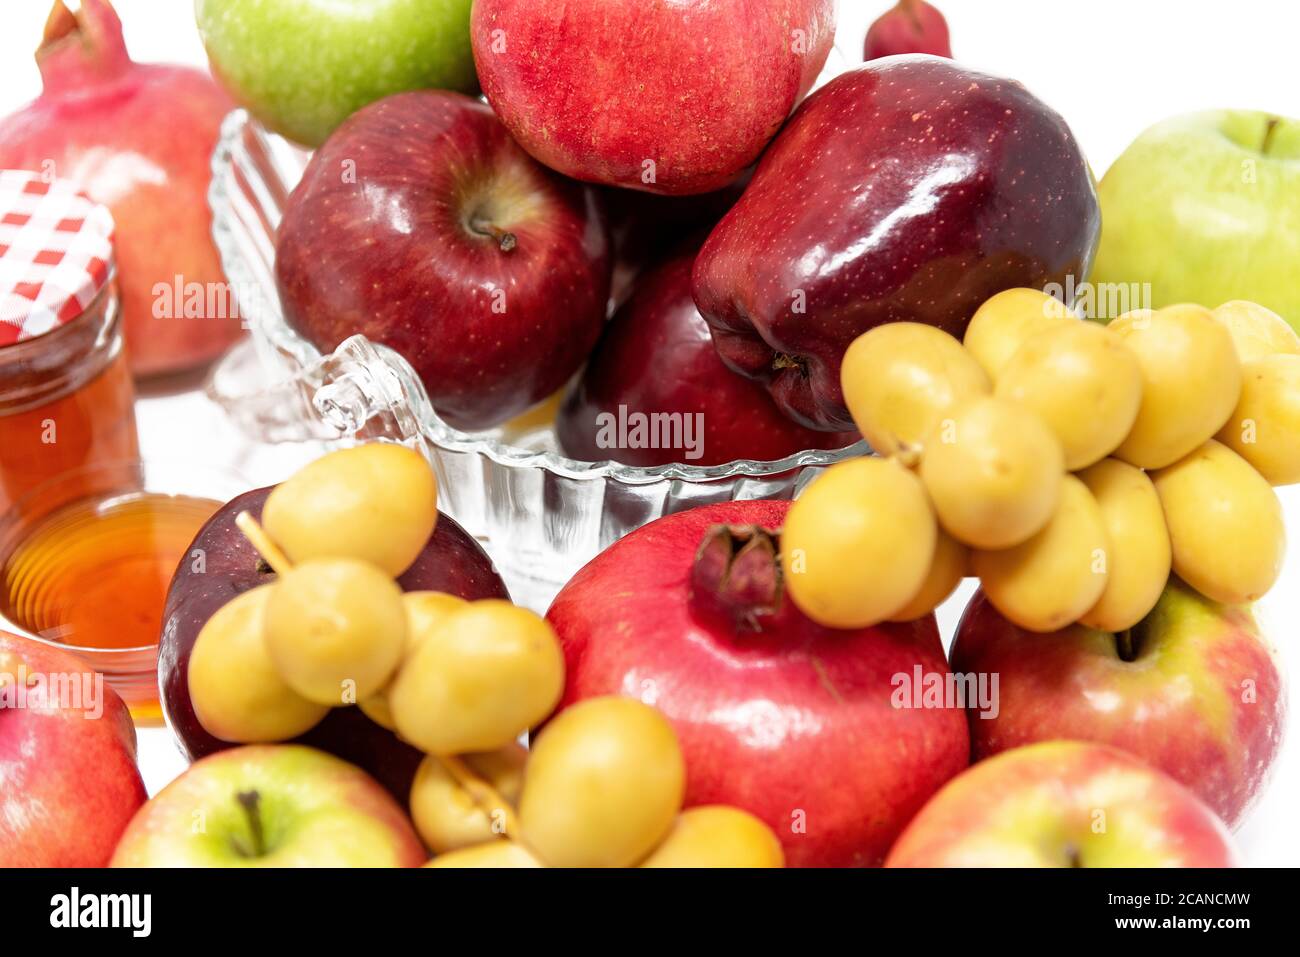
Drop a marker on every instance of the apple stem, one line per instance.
(1126, 646)
(782, 361)
(488, 798)
(507, 240)
(270, 552)
(250, 801)
(1269, 130)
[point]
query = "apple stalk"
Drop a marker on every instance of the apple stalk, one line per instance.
(481, 792)
(251, 802)
(1269, 129)
(489, 230)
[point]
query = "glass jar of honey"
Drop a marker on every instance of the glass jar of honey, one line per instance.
(66, 397)
(86, 561)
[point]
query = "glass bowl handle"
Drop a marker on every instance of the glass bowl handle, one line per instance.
(356, 391)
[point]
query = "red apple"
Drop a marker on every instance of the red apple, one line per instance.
(68, 780)
(646, 229)
(1194, 690)
(271, 806)
(422, 225)
(452, 562)
(779, 716)
(656, 360)
(910, 26)
(666, 96)
(910, 189)
(1064, 804)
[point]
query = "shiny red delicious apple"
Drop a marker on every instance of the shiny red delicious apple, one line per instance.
(909, 189)
(1193, 690)
(1064, 804)
(791, 721)
(667, 96)
(68, 780)
(910, 26)
(422, 225)
(452, 562)
(655, 363)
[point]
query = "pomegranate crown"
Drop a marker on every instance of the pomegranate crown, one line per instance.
(737, 575)
(83, 49)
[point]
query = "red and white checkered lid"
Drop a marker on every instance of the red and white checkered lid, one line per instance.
(56, 254)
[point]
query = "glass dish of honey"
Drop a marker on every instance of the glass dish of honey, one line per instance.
(86, 560)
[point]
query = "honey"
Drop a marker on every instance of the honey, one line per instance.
(86, 423)
(94, 575)
(65, 390)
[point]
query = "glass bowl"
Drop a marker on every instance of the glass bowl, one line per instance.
(539, 514)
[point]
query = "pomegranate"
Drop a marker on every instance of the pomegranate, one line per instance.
(910, 26)
(794, 722)
(138, 138)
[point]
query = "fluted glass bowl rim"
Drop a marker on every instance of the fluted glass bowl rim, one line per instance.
(270, 323)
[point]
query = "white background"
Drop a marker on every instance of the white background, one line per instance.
(1111, 67)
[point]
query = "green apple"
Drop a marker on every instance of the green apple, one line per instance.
(274, 805)
(304, 66)
(1206, 208)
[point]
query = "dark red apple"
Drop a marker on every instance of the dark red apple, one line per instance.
(910, 26)
(646, 228)
(909, 189)
(222, 564)
(666, 96)
(655, 363)
(791, 721)
(422, 225)
(68, 779)
(1194, 690)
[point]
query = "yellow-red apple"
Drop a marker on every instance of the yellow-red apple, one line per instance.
(1194, 690)
(1063, 804)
